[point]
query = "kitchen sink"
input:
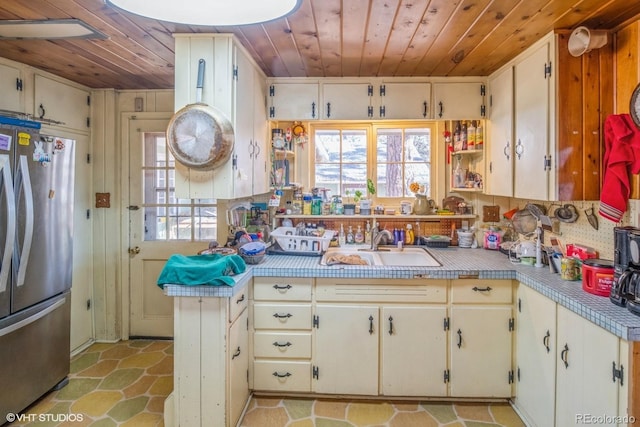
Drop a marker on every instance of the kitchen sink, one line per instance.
(385, 255)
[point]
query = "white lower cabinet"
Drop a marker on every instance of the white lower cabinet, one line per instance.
(346, 349)
(413, 356)
(535, 356)
(238, 362)
(570, 371)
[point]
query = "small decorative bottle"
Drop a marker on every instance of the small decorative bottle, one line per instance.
(350, 236)
(367, 233)
(341, 236)
(359, 236)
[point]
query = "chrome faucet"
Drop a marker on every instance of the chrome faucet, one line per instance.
(378, 235)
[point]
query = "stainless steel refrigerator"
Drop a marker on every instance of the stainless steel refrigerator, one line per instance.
(36, 228)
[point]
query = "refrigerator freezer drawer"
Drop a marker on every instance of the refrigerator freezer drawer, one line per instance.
(34, 354)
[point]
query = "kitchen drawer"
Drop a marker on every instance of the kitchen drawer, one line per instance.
(479, 291)
(282, 376)
(238, 303)
(282, 344)
(382, 290)
(281, 316)
(282, 288)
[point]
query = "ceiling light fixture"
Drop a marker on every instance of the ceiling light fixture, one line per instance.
(47, 29)
(209, 12)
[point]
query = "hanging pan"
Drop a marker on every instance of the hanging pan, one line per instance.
(200, 136)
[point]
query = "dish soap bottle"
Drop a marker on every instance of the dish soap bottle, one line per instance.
(408, 235)
(350, 237)
(341, 236)
(359, 236)
(367, 233)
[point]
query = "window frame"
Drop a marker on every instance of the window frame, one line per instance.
(437, 172)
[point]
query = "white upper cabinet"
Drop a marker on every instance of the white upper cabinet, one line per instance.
(531, 121)
(233, 84)
(293, 101)
(461, 101)
(11, 88)
(62, 102)
(347, 101)
(396, 101)
(499, 174)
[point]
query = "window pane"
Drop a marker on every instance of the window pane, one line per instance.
(328, 176)
(389, 145)
(354, 146)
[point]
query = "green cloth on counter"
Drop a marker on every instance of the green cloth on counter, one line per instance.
(195, 270)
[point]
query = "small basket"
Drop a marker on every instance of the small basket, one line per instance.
(253, 259)
(436, 241)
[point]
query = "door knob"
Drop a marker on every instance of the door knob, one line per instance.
(135, 250)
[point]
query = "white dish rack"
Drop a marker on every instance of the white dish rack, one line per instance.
(289, 241)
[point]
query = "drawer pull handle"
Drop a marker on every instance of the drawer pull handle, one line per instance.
(279, 375)
(277, 344)
(545, 341)
(390, 325)
(236, 354)
(563, 356)
(477, 289)
(280, 288)
(282, 316)
(370, 325)
(239, 300)
(459, 338)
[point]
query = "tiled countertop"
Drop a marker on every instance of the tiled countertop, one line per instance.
(456, 262)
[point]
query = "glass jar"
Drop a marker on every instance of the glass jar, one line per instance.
(296, 206)
(421, 205)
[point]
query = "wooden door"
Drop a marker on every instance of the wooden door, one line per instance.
(159, 225)
(480, 351)
(346, 101)
(500, 142)
(461, 101)
(402, 101)
(414, 351)
(238, 362)
(294, 101)
(242, 171)
(532, 126)
(12, 98)
(535, 356)
(346, 349)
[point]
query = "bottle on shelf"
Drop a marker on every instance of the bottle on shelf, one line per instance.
(408, 235)
(359, 236)
(471, 136)
(342, 238)
(367, 233)
(457, 141)
(463, 135)
(350, 236)
(416, 233)
(479, 136)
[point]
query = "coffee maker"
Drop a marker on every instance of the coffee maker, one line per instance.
(625, 290)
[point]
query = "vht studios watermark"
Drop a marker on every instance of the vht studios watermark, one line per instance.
(605, 419)
(55, 418)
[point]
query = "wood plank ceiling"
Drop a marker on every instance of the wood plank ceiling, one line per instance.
(323, 38)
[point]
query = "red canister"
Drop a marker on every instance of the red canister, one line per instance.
(597, 276)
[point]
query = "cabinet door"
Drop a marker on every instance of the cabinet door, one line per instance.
(403, 101)
(535, 356)
(584, 382)
(346, 349)
(346, 101)
(261, 157)
(294, 101)
(238, 360)
(61, 102)
(11, 85)
(531, 126)
(500, 142)
(243, 127)
(414, 351)
(480, 351)
(461, 101)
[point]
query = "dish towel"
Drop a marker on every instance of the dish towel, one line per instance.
(622, 142)
(194, 270)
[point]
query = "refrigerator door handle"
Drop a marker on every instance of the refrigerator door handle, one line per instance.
(39, 315)
(28, 227)
(7, 183)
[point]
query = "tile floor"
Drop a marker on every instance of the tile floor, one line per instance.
(276, 412)
(125, 385)
(122, 384)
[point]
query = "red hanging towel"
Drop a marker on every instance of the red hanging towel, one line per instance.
(622, 142)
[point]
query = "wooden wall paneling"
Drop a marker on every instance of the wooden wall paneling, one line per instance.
(569, 125)
(375, 41)
(607, 100)
(627, 62)
(591, 125)
(282, 40)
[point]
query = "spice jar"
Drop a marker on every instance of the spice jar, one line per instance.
(569, 269)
